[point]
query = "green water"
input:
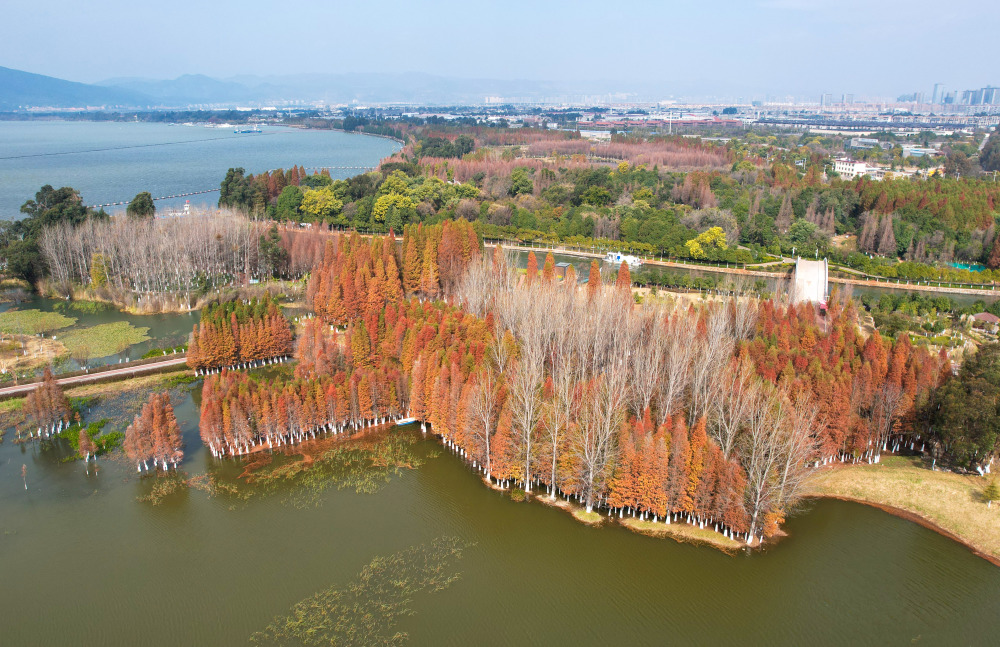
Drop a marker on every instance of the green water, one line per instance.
(83, 562)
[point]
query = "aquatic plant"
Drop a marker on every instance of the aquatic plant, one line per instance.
(32, 322)
(364, 466)
(163, 487)
(104, 339)
(86, 307)
(366, 610)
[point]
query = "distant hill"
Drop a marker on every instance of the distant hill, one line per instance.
(20, 90)
(186, 90)
(330, 88)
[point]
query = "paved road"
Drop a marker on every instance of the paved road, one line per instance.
(116, 373)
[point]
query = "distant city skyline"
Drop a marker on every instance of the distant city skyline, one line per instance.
(802, 48)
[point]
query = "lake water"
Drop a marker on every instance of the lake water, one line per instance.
(111, 162)
(83, 562)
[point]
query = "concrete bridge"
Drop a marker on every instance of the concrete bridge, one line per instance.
(811, 281)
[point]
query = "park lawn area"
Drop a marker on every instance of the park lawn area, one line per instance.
(952, 502)
(32, 322)
(104, 339)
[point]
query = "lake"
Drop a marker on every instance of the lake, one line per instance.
(113, 161)
(84, 562)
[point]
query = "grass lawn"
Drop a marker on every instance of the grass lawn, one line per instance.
(949, 501)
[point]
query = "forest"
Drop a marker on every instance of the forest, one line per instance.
(715, 415)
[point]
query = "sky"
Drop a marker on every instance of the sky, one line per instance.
(750, 47)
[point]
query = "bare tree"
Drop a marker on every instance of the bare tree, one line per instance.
(485, 408)
(738, 391)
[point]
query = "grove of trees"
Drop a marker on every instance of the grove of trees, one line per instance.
(714, 415)
(154, 435)
(47, 406)
(242, 332)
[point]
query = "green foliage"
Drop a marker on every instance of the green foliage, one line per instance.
(989, 158)
(520, 182)
(180, 380)
(288, 204)
(19, 238)
(273, 252)
(104, 339)
(32, 322)
(517, 494)
(105, 443)
(217, 314)
(160, 352)
(141, 206)
(321, 204)
(235, 190)
(965, 411)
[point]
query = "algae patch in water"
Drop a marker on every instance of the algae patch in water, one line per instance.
(366, 610)
(364, 465)
(163, 487)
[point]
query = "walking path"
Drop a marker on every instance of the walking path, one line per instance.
(97, 376)
(863, 279)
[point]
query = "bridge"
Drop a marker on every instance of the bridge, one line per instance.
(811, 281)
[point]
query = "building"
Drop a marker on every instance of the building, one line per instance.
(864, 142)
(849, 169)
(938, 96)
(919, 151)
(986, 321)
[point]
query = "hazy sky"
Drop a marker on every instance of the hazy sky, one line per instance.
(867, 47)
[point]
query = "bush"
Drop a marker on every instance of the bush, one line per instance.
(517, 494)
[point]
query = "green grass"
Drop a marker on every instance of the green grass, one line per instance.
(32, 322)
(105, 339)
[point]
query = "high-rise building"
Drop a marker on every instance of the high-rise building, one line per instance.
(938, 96)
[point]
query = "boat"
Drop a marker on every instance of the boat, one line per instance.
(406, 421)
(617, 258)
(247, 129)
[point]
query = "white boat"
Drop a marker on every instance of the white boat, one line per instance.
(617, 258)
(406, 421)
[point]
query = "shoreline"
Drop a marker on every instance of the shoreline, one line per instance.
(942, 501)
(917, 518)
(680, 531)
(685, 533)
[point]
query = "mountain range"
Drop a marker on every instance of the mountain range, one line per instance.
(19, 90)
(22, 90)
